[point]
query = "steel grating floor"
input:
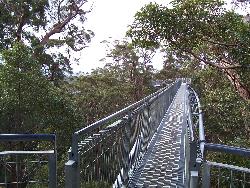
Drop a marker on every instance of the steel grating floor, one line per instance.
(163, 164)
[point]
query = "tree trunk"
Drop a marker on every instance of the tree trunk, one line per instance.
(232, 75)
(240, 88)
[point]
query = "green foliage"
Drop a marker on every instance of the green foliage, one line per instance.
(15, 14)
(132, 65)
(29, 103)
(96, 185)
(45, 26)
(226, 114)
(190, 32)
(201, 31)
(20, 77)
(101, 93)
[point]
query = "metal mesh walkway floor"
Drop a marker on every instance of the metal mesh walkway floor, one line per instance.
(163, 164)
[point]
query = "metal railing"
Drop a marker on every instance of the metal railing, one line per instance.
(27, 168)
(189, 140)
(196, 138)
(202, 172)
(224, 175)
(106, 152)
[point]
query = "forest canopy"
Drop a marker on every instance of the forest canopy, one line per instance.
(201, 31)
(54, 30)
(200, 39)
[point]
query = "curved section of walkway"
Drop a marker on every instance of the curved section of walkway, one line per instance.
(163, 164)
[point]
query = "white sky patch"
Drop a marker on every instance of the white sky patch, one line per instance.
(109, 18)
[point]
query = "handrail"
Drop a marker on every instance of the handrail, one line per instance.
(43, 152)
(202, 139)
(231, 167)
(118, 114)
(204, 147)
(127, 141)
(121, 112)
(27, 137)
(227, 149)
(195, 160)
(190, 123)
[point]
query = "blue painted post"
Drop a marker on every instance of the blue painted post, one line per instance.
(206, 175)
(72, 172)
(194, 179)
(193, 165)
(52, 170)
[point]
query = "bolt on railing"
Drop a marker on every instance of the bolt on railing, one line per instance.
(21, 168)
(107, 152)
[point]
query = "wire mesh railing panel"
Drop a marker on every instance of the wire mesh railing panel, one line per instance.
(27, 168)
(107, 152)
(211, 174)
(99, 154)
(24, 170)
(223, 175)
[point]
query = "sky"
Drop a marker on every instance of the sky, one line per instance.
(109, 18)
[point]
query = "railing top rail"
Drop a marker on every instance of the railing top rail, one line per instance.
(230, 167)
(27, 137)
(227, 149)
(27, 152)
(202, 139)
(123, 111)
(201, 126)
(190, 121)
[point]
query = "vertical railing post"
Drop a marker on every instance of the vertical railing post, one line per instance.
(71, 174)
(52, 170)
(193, 165)
(194, 179)
(231, 179)
(72, 168)
(125, 150)
(244, 180)
(205, 175)
(188, 139)
(145, 126)
(187, 157)
(5, 171)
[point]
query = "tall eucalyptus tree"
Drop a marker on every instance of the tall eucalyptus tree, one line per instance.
(204, 31)
(45, 26)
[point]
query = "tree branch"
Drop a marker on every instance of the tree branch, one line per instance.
(20, 27)
(213, 64)
(219, 43)
(59, 10)
(58, 27)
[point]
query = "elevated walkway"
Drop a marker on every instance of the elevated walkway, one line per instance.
(157, 142)
(163, 164)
